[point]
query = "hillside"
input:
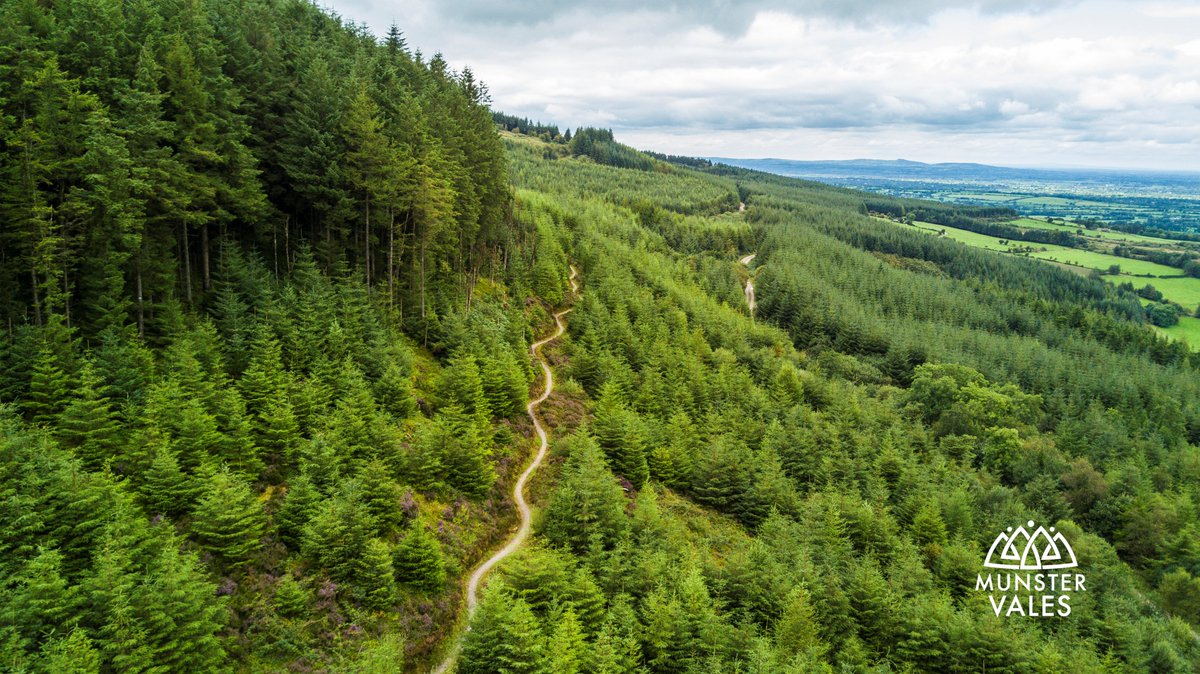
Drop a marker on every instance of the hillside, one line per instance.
(269, 289)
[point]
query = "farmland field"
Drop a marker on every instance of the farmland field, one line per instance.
(1175, 287)
(1051, 252)
(1106, 234)
(1101, 261)
(1187, 331)
(1182, 289)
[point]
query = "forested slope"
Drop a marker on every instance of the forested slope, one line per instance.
(265, 334)
(816, 491)
(267, 293)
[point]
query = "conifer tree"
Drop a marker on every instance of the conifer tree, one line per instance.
(588, 506)
(394, 391)
(88, 424)
(336, 536)
(617, 431)
(796, 632)
(166, 489)
(375, 584)
(566, 650)
(48, 389)
(504, 384)
(71, 654)
(460, 384)
(42, 603)
(299, 505)
(418, 561)
(290, 599)
(179, 612)
(504, 637)
(381, 498)
(229, 521)
(617, 649)
(464, 454)
(278, 435)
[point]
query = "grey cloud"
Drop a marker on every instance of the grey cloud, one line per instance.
(730, 16)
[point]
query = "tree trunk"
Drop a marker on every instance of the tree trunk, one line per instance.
(37, 302)
(391, 259)
(141, 310)
(187, 264)
(204, 255)
(367, 242)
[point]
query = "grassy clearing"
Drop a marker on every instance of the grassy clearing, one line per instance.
(1184, 289)
(1187, 331)
(1176, 288)
(1102, 261)
(1050, 252)
(1105, 234)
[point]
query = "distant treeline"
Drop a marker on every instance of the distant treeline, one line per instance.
(600, 146)
(524, 126)
(682, 160)
(978, 219)
(1186, 262)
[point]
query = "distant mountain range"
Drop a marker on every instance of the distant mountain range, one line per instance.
(903, 169)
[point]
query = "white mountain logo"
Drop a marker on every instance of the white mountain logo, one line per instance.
(1041, 550)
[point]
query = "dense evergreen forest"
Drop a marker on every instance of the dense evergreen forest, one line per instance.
(268, 285)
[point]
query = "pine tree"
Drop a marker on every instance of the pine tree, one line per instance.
(460, 384)
(180, 613)
(336, 536)
(72, 654)
(504, 384)
(617, 430)
(88, 424)
(184, 420)
(381, 498)
(617, 649)
(721, 479)
(504, 636)
(566, 650)
(166, 489)
(278, 434)
(291, 599)
(464, 454)
(43, 603)
(588, 506)
(229, 521)
(48, 388)
(264, 381)
(418, 561)
(394, 391)
(375, 584)
(796, 632)
(299, 506)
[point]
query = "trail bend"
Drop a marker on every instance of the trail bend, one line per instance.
(745, 261)
(518, 492)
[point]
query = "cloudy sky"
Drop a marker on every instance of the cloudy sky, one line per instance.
(1112, 83)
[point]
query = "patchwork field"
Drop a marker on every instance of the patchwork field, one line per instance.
(1175, 287)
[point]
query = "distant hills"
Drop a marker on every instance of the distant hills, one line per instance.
(904, 169)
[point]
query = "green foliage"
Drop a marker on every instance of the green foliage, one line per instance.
(375, 585)
(259, 264)
(587, 507)
(418, 561)
(617, 431)
(229, 521)
(505, 636)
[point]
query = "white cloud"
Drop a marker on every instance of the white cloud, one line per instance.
(1090, 82)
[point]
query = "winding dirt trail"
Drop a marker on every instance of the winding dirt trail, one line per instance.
(745, 261)
(518, 492)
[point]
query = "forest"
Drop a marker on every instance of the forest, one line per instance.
(268, 285)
